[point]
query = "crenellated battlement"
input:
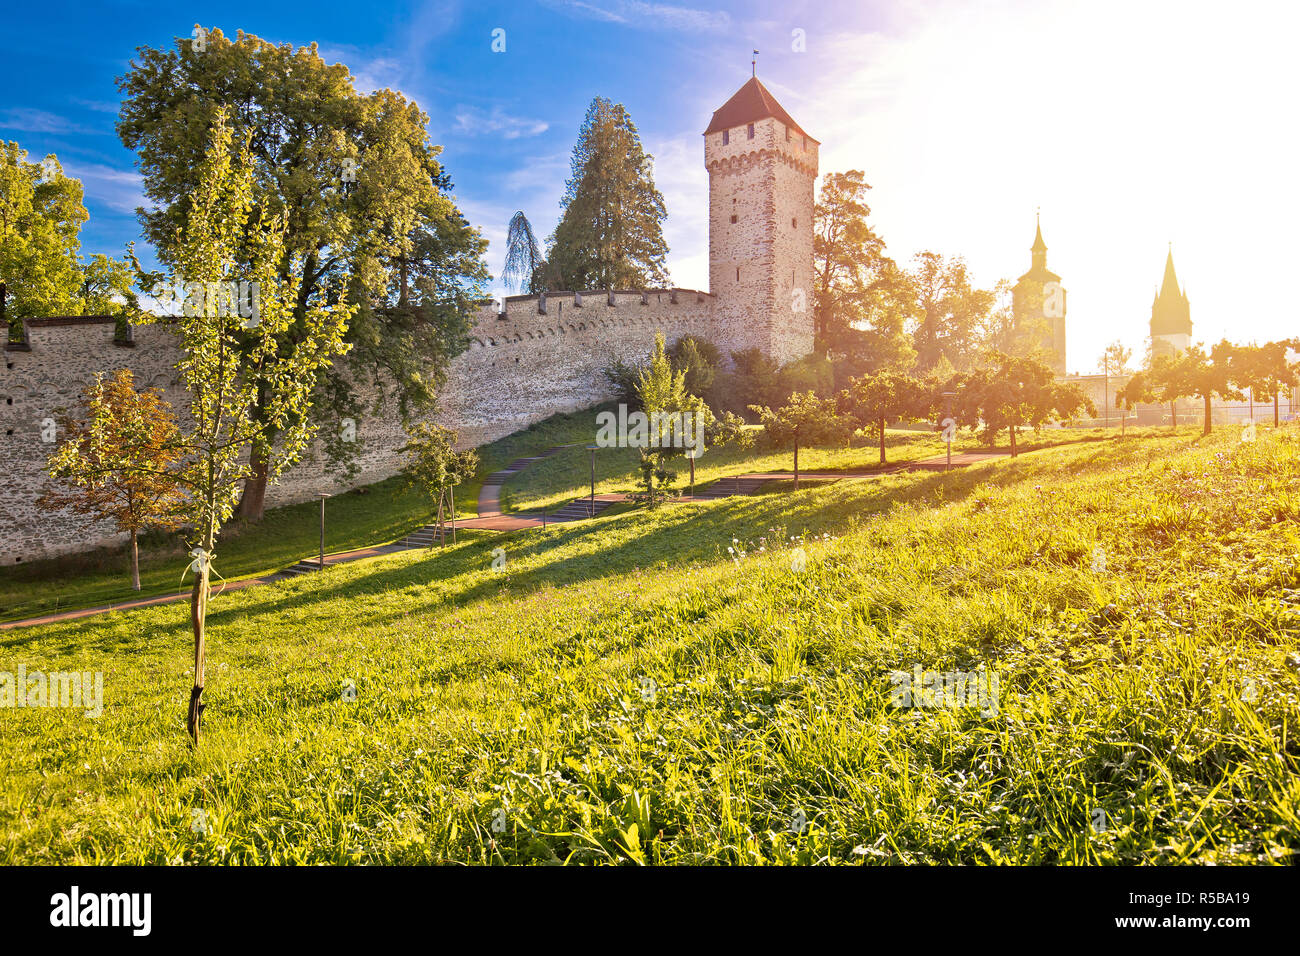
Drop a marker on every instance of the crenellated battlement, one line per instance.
(528, 357)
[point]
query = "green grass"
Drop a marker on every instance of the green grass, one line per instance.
(374, 514)
(1162, 691)
(567, 474)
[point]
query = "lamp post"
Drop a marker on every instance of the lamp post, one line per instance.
(591, 505)
(322, 497)
(947, 414)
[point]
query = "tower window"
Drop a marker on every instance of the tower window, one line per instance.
(794, 223)
(726, 137)
(751, 130)
(737, 273)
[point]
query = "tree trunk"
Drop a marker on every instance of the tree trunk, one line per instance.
(135, 561)
(796, 466)
(441, 542)
(252, 505)
(198, 621)
(1206, 430)
(451, 497)
(1173, 413)
(1013, 441)
(692, 461)
(882, 441)
(1275, 403)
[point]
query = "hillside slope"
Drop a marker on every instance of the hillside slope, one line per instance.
(679, 686)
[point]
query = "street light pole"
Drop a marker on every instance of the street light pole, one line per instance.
(947, 404)
(322, 496)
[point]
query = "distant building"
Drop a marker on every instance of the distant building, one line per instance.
(1038, 305)
(1171, 315)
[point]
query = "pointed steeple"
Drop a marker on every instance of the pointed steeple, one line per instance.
(1170, 284)
(1170, 312)
(1039, 248)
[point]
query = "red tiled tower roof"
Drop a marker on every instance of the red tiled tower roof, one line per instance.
(751, 102)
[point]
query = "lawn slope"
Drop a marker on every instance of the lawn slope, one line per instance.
(669, 687)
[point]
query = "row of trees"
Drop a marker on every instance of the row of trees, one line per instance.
(1010, 393)
(1222, 371)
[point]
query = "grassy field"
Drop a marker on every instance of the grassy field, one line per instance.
(375, 514)
(567, 474)
(679, 687)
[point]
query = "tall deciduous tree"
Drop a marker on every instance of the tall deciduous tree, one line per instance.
(610, 234)
(805, 420)
(885, 396)
(950, 313)
(119, 461)
(244, 382)
(41, 213)
(1207, 374)
(363, 197)
(862, 300)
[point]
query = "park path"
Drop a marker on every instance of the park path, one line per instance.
(490, 518)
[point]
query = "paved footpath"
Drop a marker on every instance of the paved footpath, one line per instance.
(491, 519)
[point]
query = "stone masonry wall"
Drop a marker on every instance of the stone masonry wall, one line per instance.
(522, 365)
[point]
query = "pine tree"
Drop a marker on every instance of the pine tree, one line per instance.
(610, 234)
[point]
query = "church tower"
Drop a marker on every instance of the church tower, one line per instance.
(761, 170)
(1038, 304)
(1171, 315)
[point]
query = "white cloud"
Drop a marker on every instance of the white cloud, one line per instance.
(647, 16)
(470, 119)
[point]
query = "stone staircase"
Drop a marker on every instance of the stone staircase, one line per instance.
(516, 466)
(305, 566)
(579, 509)
(727, 487)
(425, 537)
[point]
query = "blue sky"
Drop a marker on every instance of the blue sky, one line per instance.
(1130, 124)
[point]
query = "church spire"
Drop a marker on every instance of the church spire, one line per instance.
(1039, 248)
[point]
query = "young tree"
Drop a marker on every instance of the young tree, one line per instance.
(120, 460)
(244, 382)
(1167, 381)
(1264, 369)
(875, 400)
(803, 421)
(610, 234)
(523, 254)
(436, 468)
(363, 196)
(1207, 374)
(1017, 392)
(1114, 361)
(672, 412)
(1135, 391)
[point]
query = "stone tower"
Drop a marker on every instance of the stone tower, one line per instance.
(761, 171)
(1171, 315)
(1038, 304)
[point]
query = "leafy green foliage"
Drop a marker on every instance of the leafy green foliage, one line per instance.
(610, 235)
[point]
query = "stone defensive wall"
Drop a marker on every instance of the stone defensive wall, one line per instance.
(529, 357)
